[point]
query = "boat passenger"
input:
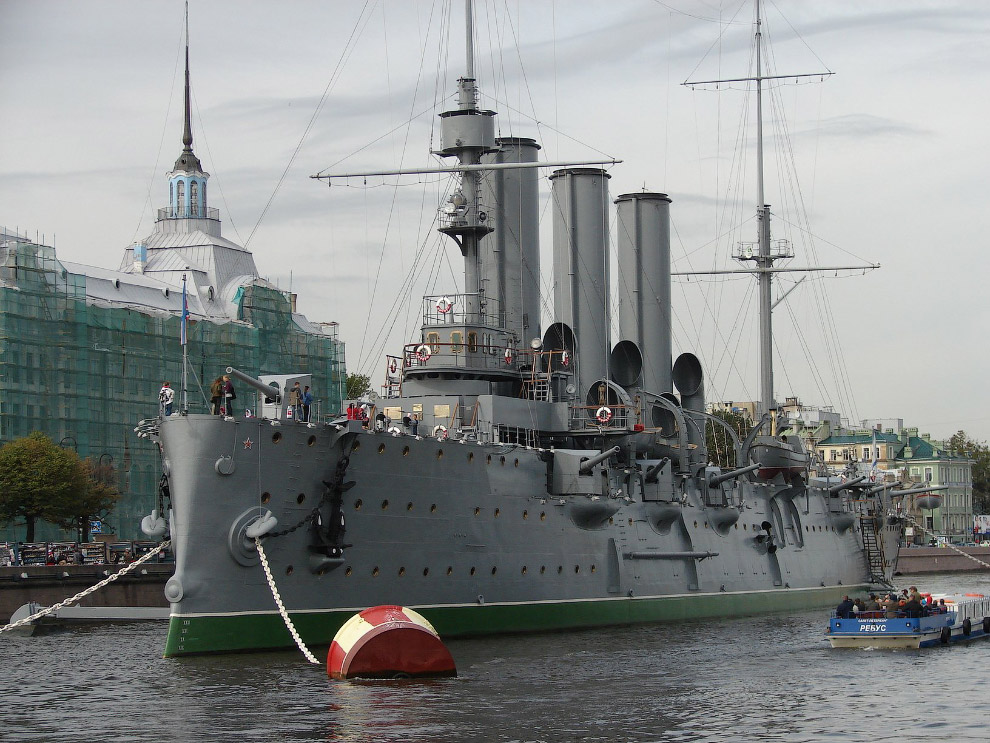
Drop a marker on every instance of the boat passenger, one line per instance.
(873, 604)
(845, 609)
(890, 606)
(912, 608)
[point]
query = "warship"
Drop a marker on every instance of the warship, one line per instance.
(509, 478)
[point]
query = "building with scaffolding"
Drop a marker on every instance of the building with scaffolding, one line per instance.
(84, 350)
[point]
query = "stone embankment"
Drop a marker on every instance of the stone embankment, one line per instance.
(914, 560)
(50, 584)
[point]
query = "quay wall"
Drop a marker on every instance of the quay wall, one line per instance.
(916, 560)
(50, 584)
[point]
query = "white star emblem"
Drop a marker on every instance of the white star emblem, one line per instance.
(247, 443)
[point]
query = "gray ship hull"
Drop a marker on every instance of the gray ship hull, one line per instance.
(469, 535)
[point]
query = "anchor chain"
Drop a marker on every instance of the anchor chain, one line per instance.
(281, 607)
(92, 589)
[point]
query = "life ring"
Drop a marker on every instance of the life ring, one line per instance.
(440, 433)
(604, 414)
(565, 359)
(945, 636)
(967, 626)
(423, 353)
(393, 366)
(444, 305)
(508, 356)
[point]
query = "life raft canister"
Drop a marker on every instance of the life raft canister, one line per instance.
(423, 353)
(508, 356)
(604, 414)
(565, 358)
(392, 366)
(444, 305)
(440, 433)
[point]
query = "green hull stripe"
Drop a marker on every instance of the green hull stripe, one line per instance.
(220, 633)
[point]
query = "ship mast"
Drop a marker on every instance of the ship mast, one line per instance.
(764, 258)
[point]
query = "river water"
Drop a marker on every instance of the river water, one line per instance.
(761, 679)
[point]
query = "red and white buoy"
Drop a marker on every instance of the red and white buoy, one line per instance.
(388, 642)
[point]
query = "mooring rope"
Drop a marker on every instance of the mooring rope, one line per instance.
(281, 607)
(106, 581)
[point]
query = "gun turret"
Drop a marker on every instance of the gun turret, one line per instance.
(653, 473)
(589, 464)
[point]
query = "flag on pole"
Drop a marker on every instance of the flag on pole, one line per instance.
(185, 312)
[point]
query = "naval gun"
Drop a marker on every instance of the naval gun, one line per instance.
(836, 489)
(266, 389)
(588, 465)
(715, 480)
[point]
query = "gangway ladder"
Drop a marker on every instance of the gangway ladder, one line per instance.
(873, 546)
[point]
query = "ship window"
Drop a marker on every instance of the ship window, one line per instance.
(472, 342)
(434, 340)
(456, 341)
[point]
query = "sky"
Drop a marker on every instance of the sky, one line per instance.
(883, 163)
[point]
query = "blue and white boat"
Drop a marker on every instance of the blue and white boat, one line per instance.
(964, 618)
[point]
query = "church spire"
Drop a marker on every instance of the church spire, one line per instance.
(187, 161)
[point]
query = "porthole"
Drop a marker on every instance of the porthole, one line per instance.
(630, 522)
(501, 460)
(543, 515)
(472, 570)
(288, 570)
(706, 524)
(276, 437)
(593, 568)
(433, 508)
(357, 504)
(543, 569)
(439, 453)
(695, 524)
(348, 572)
(525, 514)
(450, 570)
(384, 505)
(470, 457)
(736, 525)
(610, 521)
(523, 571)
(517, 463)
(489, 459)
(497, 512)
(381, 448)
(357, 445)
(560, 569)
(310, 441)
(426, 572)
(477, 511)
(745, 527)
(494, 570)
(266, 497)
(300, 498)
(577, 569)
(374, 572)
(405, 451)
(402, 572)
(409, 506)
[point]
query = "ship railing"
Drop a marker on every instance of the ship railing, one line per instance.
(452, 309)
(472, 354)
(605, 417)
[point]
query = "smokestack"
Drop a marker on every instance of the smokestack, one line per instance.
(510, 257)
(643, 221)
(579, 201)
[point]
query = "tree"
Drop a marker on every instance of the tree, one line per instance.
(41, 481)
(978, 451)
(721, 449)
(101, 494)
(357, 385)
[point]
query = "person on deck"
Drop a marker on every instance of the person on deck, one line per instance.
(166, 396)
(216, 395)
(845, 608)
(307, 401)
(228, 396)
